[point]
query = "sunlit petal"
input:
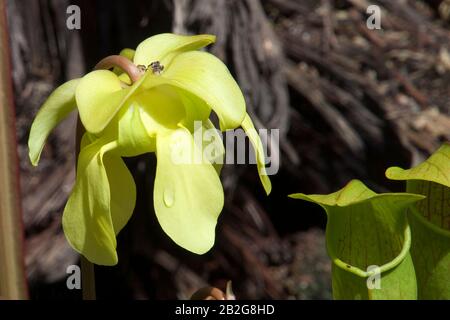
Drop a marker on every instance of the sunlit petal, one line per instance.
(99, 97)
(255, 140)
(188, 197)
(162, 47)
(87, 221)
(122, 189)
(205, 76)
(57, 107)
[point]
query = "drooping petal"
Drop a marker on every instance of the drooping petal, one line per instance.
(162, 47)
(57, 107)
(188, 197)
(211, 144)
(87, 221)
(250, 130)
(121, 183)
(205, 76)
(99, 97)
(122, 189)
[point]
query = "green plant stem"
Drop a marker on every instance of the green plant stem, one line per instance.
(13, 283)
(87, 279)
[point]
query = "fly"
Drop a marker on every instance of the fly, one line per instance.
(156, 67)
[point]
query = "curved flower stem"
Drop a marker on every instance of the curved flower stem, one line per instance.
(127, 66)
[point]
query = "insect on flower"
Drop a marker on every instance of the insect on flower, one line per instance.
(141, 68)
(133, 110)
(156, 67)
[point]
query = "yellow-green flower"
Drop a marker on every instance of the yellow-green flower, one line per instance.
(156, 113)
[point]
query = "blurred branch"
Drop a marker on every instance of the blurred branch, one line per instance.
(12, 275)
